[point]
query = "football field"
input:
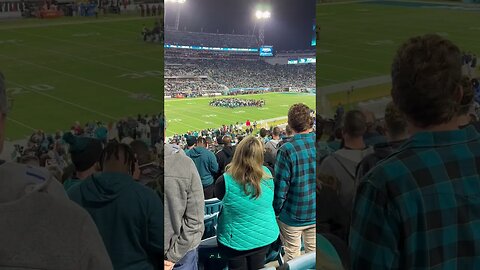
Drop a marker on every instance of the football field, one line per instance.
(358, 40)
(195, 114)
(78, 69)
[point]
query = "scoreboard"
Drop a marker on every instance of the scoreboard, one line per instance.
(266, 51)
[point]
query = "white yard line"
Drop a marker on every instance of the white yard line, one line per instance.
(75, 76)
(64, 101)
(86, 59)
(85, 45)
(21, 124)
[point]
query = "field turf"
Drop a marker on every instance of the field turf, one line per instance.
(359, 40)
(195, 114)
(78, 69)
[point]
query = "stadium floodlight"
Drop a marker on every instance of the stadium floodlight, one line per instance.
(176, 1)
(261, 15)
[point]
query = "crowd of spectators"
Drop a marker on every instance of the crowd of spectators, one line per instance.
(265, 182)
(90, 198)
(235, 74)
(236, 102)
(470, 64)
(395, 192)
(193, 87)
(174, 37)
(53, 150)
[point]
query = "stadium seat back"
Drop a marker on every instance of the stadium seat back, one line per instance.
(275, 252)
(328, 255)
(304, 262)
(209, 256)
(212, 206)
(210, 223)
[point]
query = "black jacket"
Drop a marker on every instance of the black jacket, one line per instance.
(224, 157)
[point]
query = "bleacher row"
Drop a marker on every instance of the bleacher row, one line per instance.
(210, 39)
(210, 258)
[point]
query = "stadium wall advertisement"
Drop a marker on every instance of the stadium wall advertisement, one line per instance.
(253, 50)
(302, 61)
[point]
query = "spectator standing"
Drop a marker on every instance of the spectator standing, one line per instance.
(295, 184)
(342, 164)
(184, 204)
(419, 207)
(85, 153)
(39, 221)
(128, 214)
(206, 164)
(246, 224)
(224, 156)
(397, 133)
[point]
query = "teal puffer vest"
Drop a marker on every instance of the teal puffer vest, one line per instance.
(247, 223)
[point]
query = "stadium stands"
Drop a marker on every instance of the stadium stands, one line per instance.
(212, 252)
(210, 39)
(393, 155)
(204, 75)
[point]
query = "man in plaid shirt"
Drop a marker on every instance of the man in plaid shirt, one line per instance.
(294, 200)
(420, 207)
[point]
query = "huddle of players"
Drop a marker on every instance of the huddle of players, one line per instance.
(156, 34)
(236, 102)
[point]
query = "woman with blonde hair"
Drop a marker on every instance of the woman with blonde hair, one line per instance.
(246, 224)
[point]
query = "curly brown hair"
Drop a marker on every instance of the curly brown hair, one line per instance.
(299, 118)
(426, 80)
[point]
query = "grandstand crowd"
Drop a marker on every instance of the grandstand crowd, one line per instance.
(182, 75)
(264, 184)
(236, 102)
(90, 198)
(400, 192)
(210, 39)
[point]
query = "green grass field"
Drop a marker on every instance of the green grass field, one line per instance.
(78, 69)
(195, 114)
(359, 40)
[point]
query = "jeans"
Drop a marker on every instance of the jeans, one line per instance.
(189, 261)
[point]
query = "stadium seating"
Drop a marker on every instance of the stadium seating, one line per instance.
(212, 209)
(209, 256)
(210, 39)
(304, 262)
(212, 206)
(328, 254)
(203, 76)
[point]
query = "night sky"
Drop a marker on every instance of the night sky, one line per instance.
(289, 28)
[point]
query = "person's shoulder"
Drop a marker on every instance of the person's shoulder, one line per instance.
(25, 172)
(144, 192)
(391, 171)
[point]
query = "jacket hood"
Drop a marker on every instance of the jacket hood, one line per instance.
(172, 149)
(105, 187)
(197, 152)
(17, 181)
(228, 151)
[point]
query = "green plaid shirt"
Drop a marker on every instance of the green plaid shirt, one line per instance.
(295, 183)
(420, 208)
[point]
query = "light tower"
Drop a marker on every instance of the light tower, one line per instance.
(262, 16)
(178, 4)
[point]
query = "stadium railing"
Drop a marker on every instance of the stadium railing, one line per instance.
(304, 262)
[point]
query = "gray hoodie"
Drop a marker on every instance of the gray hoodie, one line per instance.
(40, 228)
(343, 165)
(184, 204)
